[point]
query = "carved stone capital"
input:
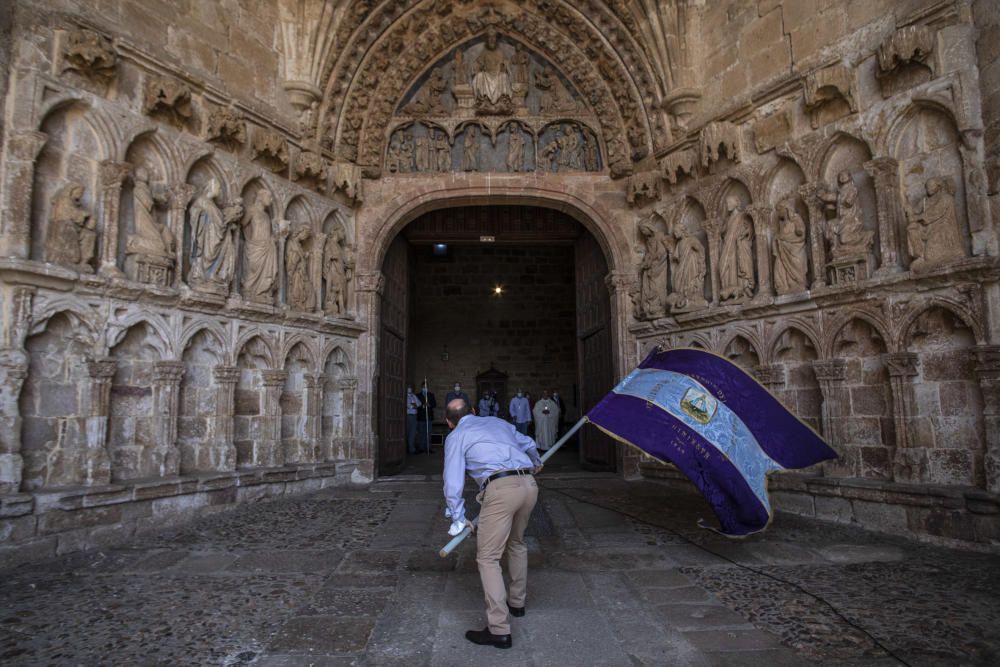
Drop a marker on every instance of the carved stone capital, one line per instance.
(313, 380)
(830, 370)
(168, 372)
(770, 376)
(619, 281)
(226, 374)
(880, 168)
(347, 383)
(901, 364)
(102, 369)
(271, 377)
(89, 54)
(370, 282)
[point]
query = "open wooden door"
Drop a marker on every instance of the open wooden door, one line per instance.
(391, 381)
(593, 332)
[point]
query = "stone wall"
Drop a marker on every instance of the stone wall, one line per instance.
(528, 332)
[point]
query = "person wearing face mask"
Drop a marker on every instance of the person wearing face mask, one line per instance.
(457, 392)
(412, 407)
(520, 412)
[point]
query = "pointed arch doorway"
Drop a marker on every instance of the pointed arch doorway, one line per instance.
(548, 326)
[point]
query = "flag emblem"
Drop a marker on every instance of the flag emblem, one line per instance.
(699, 405)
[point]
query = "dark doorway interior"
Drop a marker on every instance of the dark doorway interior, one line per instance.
(508, 296)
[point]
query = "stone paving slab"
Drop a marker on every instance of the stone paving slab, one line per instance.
(354, 579)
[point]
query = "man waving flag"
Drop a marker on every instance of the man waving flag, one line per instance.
(717, 424)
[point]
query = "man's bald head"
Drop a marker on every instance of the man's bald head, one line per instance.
(455, 410)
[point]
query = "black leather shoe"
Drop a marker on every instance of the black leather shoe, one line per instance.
(486, 638)
(516, 611)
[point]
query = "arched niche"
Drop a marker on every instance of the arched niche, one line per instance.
(248, 421)
(690, 237)
(796, 351)
(199, 175)
(257, 256)
(71, 154)
(926, 145)
(847, 154)
(743, 353)
(337, 411)
(197, 437)
(295, 437)
(149, 161)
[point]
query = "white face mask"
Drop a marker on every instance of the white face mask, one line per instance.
(409, 390)
(520, 395)
(458, 387)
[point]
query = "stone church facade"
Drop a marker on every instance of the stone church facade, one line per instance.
(196, 200)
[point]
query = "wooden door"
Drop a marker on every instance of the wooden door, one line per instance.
(593, 332)
(391, 381)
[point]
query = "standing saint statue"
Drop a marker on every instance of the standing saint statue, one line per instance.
(789, 251)
(491, 84)
(515, 149)
(652, 296)
(470, 149)
(260, 251)
(300, 286)
(71, 238)
(213, 248)
(932, 236)
(442, 151)
(150, 238)
(337, 269)
(736, 278)
(688, 271)
(845, 233)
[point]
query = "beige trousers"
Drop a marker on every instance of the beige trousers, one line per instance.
(506, 507)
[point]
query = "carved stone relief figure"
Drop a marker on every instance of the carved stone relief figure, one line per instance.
(260, 252)
(307, 119)
(442, 150)
(338, 267)
(213, 250)
(515, 149)
(428, 98)
(71, 238)
(845, 233)
(422, 154)
(491, 83)
(300, 286)
(519, 67)
(651, 300)
(569, 150)
(470, 149)
(554, 98)
(932, 235)
(689, 266)
(549, 156)
(461, 69)
(789, 251)
(736, 278)
(590, 152)
(151, 245)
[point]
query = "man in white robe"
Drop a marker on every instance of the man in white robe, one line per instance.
(546, 415)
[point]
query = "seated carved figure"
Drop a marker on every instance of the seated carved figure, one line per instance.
(846, 233)
(71, 239)
(932, 236)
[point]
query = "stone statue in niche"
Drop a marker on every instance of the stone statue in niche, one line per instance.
(300, 288)
(590, 152)
(150, 248)
(736, 278)
(260, 252)
(519, 67)
(491, 83)
(569, 150)
(549, 156)
(789, 251)
(441, 149)
(71, 239)
(213, 246)
(337, 270)
(932, 235)
(845, 233)
(689, 266)
(470, 149)
(428, 98)
(651, 301)
(423, 157)
(554, 98)
(515, 150)
(400, 157)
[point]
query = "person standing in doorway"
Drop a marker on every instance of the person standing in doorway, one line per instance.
(503, 462)
(546, 415)
(456, 392)
(412, 405)
(483, 409)
(520, 412)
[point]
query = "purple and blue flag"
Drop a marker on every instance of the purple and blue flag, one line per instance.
(717, 424)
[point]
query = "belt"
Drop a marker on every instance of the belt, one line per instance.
(506, 473)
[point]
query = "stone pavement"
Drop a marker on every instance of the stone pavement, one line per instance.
(620, 575)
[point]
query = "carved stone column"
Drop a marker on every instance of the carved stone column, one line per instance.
(316, 269)
(15, 210)
(344, 447)
(810, 195)
(988, 374)
(113, 175)
(13, 372)
(901, 367)
(267, 450)
(223, 453)
(166, 396)
(312, 407)
(763, 220)
(620, 285)
(712, 229)
(369, 292)
(97, 463)
(180, 197)
(976, 201)
(885, 172)
(831, 373)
